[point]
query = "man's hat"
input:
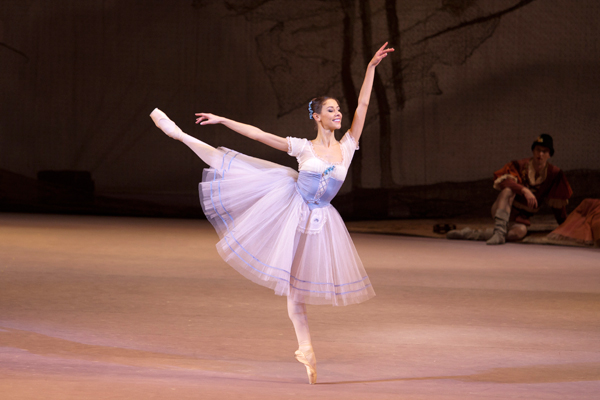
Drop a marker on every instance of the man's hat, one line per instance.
(544, 140)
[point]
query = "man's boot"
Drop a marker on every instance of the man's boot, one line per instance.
(500, 228)
(470, 234)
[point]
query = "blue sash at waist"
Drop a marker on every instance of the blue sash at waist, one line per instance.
(317, 189)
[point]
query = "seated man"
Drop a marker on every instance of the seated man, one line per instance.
(524, 185)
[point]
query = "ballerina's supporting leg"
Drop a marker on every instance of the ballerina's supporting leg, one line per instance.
(305, 353)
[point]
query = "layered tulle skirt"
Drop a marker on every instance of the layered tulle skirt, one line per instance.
(269, 235)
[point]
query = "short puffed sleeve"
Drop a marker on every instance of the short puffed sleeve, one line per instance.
(349, 142)
(504, 176)
(349, 146)
(295, 146)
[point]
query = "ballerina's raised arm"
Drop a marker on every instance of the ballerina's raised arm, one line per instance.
(358, 122)
(280, 143)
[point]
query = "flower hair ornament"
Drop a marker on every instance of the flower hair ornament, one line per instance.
(310, 110)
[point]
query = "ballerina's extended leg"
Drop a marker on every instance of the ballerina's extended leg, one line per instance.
(206, 152)
(305, 353)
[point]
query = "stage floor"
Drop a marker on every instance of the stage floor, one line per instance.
(140, 308)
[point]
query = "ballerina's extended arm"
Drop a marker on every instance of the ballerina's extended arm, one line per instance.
(358, 122)
(252, 132)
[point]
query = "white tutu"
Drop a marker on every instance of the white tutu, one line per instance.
(276, 225)
(269, 234)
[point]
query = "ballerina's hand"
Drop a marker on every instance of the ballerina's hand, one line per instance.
(380, 55)
(207, 119)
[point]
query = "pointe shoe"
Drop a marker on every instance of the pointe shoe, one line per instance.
(166, 125)
(311, 368)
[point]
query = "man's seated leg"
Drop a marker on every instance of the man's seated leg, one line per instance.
(501, 212)
(470, 234)
(500, 228)
(503, 202)
(516, 232)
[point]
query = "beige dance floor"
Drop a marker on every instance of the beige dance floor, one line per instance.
(138, 308)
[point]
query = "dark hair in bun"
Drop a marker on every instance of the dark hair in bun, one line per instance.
(316, 105)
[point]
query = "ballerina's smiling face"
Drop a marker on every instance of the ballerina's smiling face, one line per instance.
(330, 117)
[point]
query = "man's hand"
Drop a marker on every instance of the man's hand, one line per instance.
(531, 200)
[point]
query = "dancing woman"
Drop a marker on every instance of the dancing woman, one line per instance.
(276, 225)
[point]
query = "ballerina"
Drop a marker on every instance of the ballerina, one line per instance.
(276, 225)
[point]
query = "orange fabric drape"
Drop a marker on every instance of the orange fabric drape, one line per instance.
(582, 225)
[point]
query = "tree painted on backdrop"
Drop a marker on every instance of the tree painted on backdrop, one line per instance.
(319, 47)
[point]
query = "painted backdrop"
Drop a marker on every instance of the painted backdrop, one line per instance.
(471, 84)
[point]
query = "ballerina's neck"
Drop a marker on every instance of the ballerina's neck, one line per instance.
(325, 139)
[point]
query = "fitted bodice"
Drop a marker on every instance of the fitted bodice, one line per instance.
(318, 180)
(316, 189)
